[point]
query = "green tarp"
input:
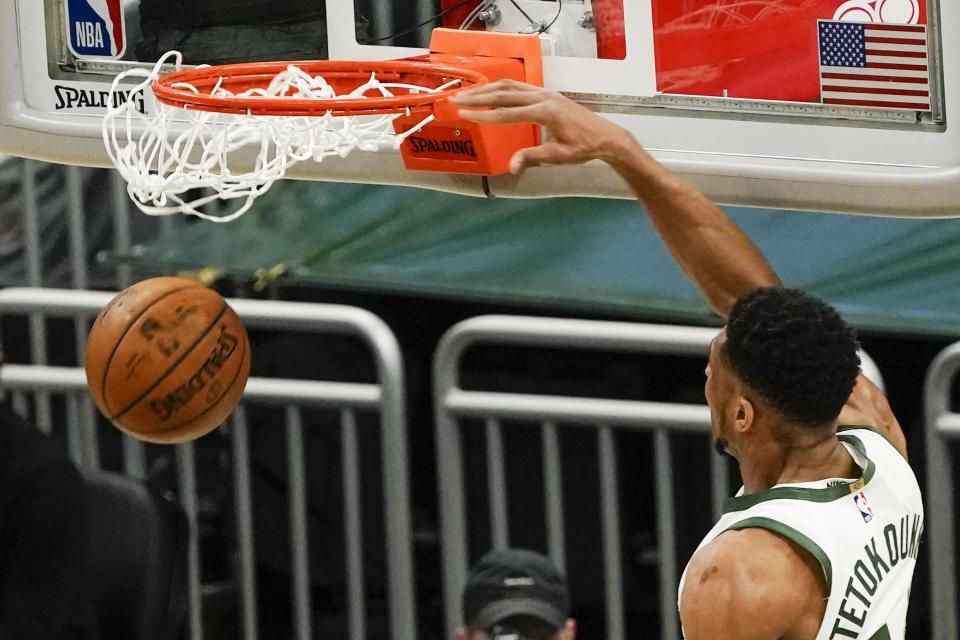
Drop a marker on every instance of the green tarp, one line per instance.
(572, 255)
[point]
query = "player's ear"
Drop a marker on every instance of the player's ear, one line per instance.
(569, 630)
(745, 414)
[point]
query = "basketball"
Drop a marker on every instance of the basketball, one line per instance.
(167, 360)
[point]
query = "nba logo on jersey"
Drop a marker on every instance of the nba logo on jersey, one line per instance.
(95, 28)
(860, 499)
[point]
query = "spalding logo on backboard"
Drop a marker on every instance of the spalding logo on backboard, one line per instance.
(95, 28)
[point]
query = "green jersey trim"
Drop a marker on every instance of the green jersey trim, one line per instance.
(883, 633)
(864, 427)
(793, 535)
(821, 494)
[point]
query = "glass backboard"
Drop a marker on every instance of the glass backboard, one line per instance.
(833, 105)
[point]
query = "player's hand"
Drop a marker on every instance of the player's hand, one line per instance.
(572, 133)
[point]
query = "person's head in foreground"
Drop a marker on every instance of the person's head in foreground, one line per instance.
(783, 367)
(515, 594)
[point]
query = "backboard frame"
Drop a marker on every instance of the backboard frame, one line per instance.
(728, 154)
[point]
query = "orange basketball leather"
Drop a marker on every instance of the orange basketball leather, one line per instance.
(167, 360)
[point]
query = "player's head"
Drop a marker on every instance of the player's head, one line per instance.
(515, 594)
(785, 359)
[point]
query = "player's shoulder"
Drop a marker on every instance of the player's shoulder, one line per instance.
(740, 574)
(750, 554)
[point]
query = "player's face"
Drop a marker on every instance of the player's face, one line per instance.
(719, 392)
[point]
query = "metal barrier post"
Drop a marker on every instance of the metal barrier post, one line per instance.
(610, 520)
(34, 261)
(666, 534)
(553, 496)
(942, 428)
(80, 407)
(134, 454)
(187, 483)
(299, 540)
(244, 514)
(353, 532)
(497, 481)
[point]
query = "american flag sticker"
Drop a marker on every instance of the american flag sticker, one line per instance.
(874, 65)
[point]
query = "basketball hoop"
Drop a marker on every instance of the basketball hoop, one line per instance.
(233, 130)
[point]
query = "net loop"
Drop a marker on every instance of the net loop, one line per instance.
(180, 158)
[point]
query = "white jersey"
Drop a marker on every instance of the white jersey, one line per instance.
(865, 533)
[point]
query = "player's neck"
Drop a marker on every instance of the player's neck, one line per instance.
(812, 456)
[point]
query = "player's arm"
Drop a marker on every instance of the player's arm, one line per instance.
(752, 585)
(717, 256)
(714, 252)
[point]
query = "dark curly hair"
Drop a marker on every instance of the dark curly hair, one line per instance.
(795, 351)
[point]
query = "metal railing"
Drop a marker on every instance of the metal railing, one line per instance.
(385, 397)
(942, 431)
(604, 415)
(45, 195)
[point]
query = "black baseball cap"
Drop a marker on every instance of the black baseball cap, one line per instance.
(513, 582)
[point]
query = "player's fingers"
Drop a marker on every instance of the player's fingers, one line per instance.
(493, 87)
(498, 98)
(531, 113)
(550, 153)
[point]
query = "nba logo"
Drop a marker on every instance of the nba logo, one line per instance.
(95, 28)
(860, 499)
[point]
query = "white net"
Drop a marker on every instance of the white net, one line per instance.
(177, 160)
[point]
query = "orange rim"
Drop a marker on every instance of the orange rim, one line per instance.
(249, 75)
